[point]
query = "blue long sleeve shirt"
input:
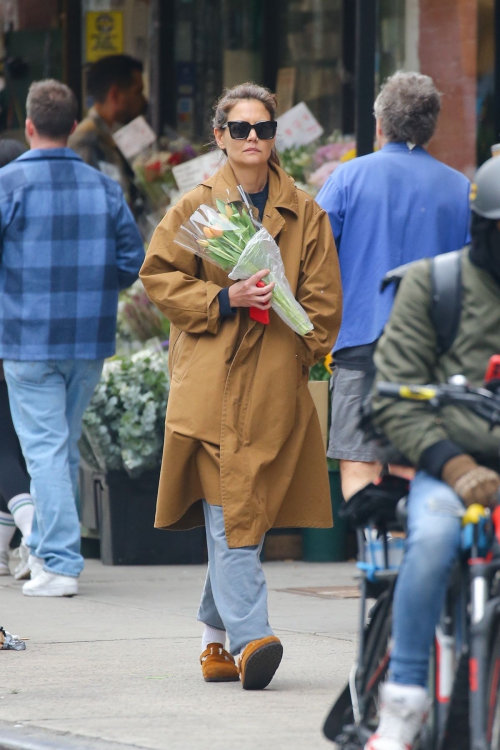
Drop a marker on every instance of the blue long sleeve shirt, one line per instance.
(68, 244)
(388, 208)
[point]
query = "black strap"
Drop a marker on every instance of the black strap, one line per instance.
(446, 305)
(395, 276)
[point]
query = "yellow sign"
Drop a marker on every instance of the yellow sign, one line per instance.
(104, 34)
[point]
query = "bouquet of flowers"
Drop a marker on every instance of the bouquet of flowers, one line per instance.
(153, 170)
(124, 423)
(234, 240)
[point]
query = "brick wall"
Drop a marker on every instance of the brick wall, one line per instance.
(448, 53)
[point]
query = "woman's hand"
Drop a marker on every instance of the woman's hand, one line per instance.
(248, 294)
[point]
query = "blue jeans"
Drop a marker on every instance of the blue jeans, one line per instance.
(47, 401)
(235, 595)
(432, 547)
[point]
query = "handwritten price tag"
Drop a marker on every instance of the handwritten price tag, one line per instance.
(191, 173)
(134, 137)
(297, 127)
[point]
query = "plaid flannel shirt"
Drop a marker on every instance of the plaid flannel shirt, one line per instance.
(68, 244)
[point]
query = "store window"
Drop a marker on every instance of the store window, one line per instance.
(391, 39)
(31, 48)
(309, 39)
(218, 43)
(114, 27)
(242, 42)
(487, 133)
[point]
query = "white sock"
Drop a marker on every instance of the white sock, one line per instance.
(22, 508)
(212, 635)
(7, 529)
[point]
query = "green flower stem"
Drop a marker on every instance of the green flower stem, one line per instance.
(226, 250)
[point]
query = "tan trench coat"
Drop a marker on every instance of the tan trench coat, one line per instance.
(241, 427)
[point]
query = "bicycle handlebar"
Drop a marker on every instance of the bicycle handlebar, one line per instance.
(407, 392)
(481, 401)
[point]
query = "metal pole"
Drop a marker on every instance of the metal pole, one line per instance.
(162, 64)
(366, 33)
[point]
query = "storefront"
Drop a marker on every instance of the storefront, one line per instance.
(192, 49)
(304, 50)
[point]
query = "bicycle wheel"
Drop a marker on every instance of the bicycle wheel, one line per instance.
(493, 693)
(339, 725)
(376, 662)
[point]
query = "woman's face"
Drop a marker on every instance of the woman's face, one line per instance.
(251, 152)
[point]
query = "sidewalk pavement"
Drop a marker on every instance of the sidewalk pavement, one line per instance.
(118, 664)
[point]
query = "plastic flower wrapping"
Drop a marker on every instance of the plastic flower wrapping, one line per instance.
(233, 239)
(123, 427)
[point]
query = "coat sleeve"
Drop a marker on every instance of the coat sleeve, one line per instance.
(319, 289)
(170, 277)
(407, 353)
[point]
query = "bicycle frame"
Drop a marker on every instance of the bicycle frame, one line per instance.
(484, 612)
(467, 621)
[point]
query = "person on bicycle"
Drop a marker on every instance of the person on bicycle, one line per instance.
(455, 452)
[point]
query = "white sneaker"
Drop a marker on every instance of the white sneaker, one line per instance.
(35, 564)
(4, 563)
(22, 569)
(50, 584)
(402, 713)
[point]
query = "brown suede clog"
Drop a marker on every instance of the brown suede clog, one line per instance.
(259, 661)
(218, 665)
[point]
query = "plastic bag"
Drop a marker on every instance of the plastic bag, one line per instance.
(263, 252)
(233, 239)
(9, 642)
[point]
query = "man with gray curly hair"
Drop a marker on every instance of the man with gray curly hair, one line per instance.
(407, 109)
(391, 207)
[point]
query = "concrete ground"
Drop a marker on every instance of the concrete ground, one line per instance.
(119, 664)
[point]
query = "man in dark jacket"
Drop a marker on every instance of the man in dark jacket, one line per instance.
(455, 452)
(116, 86)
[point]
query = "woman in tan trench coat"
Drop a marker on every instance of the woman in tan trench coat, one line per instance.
(243, 448)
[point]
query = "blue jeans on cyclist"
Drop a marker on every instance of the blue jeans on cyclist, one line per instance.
(433, 544)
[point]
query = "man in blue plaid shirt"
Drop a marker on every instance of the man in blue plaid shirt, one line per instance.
(68, 244)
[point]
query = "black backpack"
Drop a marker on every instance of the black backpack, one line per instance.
(446, 276)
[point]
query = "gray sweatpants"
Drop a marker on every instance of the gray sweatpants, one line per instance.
(235, 595)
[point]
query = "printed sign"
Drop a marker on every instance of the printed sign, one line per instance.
(134, 137)
(104, 34)
(191, 173)
(297, 127)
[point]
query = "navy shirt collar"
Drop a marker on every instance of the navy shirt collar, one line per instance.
(402, 147)
(49, 153)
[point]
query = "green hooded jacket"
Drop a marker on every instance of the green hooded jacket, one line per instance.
(407, 353)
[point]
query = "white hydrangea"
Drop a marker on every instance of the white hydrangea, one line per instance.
(123, 426)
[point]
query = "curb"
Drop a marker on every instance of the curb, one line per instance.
(30, 737)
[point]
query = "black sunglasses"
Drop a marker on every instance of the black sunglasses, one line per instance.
(239, 130)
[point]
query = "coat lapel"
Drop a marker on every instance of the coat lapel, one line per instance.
(282, 195)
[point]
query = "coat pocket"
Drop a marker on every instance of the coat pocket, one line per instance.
(182, 352)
